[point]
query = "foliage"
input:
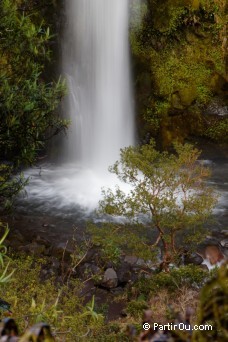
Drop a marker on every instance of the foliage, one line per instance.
(181, 47)
(34, 300)
(169, 189)
(62, 307)
(190, 276)
(28, 102)
(113, 240)
(4, 277)
(214, 308)
(218, 131)
(90, 312)
(9, 187)
(135, 308)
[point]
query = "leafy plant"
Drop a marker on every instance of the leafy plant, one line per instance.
(90, 311)
(214, 308)
(135, 308)
(45, 313)
(5, 276)
(185, 276)
(168, 189)
(29, 101)
(114, 240)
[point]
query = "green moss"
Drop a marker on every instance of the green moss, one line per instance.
(180, 45)
(218, 131)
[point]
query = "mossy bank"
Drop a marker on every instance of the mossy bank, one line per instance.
(179, 52)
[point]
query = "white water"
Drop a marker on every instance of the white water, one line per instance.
(96, 62)
(97, 67)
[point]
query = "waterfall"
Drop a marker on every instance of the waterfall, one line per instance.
(99, 103)
(96, 62)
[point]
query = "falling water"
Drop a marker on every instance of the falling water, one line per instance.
(97, 67)
(96, 62)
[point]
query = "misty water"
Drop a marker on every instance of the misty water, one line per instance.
(96, 64)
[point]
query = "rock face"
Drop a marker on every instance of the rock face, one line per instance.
(181, 79)
(110, 279)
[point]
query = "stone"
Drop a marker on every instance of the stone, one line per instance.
(42, 241)
(33, 248)
(110, 279)
(141, 263)
(194, 258)
(124, 273)
(62, 250)
(224, 243)
(131, 259)
(47, 225)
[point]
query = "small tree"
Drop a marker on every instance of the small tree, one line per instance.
(169, 189)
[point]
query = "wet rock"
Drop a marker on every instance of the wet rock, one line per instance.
(124, 273)
(131, 259)
(224, 243)
(42, 241)
(33, 248)
(62, 250)
(117, 290)
(194, 259)
(225, 252)
(141, 263)
(217, 108)
(47, 225)
(92, 256)
(110, 279)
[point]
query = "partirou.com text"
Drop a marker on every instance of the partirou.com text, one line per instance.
(179, 326)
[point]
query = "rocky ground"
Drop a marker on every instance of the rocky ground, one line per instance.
(43, 237)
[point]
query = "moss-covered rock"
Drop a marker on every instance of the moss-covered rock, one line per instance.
(182, 48)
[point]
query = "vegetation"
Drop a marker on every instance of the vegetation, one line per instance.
(214, 308)
(29, 99)
(169, 189)
(4, 275)
(114, 240)
(35, 299)
(180, 52)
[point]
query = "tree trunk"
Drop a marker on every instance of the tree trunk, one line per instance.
(167, 255)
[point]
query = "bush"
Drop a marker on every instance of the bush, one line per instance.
(190, 276)
(28, 102)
